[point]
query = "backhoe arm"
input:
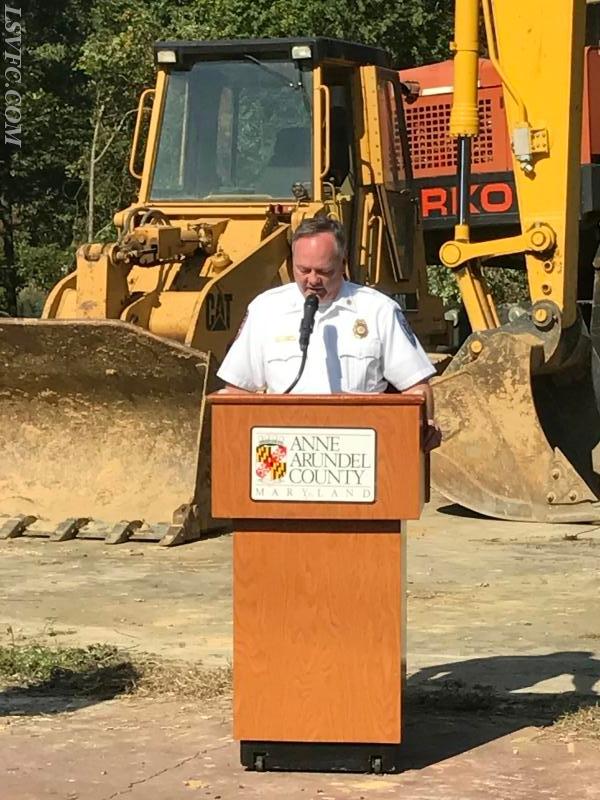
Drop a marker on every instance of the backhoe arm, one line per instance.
(518, 405)
(537, 48)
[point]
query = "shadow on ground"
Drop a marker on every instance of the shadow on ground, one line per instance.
(449, 708)
(68, 690)
(456, 510)
(455, 707)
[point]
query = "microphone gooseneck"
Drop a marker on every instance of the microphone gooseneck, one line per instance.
(306, 328)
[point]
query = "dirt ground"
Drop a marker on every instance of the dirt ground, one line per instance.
(511, 607)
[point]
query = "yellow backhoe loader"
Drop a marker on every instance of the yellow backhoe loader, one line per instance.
(518, 404)
(103, 422)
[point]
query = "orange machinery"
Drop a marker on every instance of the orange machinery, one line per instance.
(493, 196)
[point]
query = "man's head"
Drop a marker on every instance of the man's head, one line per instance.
(318, 254)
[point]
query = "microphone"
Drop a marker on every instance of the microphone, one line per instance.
(308, 320)
(306, 328)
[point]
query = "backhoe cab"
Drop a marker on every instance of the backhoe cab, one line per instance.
(244, 140)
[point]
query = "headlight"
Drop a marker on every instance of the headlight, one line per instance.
(301, 51)
(166, 57)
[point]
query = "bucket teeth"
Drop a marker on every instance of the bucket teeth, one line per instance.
(16, 526)
(68, 529)
(123, 531)
(166, 534)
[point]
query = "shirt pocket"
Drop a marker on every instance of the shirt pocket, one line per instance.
(282, 362)
(360, 363)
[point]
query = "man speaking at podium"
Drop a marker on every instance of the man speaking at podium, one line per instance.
(352, 338)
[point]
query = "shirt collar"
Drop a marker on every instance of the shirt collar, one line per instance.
(344, 300)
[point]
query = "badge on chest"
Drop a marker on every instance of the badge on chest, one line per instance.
(360, 329)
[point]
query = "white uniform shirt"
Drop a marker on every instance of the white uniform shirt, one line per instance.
(360, 343)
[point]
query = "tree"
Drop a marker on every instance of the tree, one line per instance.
(87, 64)
(413, 31)
(39, 193)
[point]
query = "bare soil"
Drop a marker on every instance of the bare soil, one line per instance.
(504, 641)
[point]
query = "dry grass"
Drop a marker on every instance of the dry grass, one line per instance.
(582, 723)
(163, 677)
(105, 671)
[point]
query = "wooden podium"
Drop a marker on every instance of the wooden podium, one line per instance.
(319, 488)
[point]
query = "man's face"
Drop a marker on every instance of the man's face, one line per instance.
(318, 267)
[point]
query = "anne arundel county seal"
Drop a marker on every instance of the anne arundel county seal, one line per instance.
(271, 461)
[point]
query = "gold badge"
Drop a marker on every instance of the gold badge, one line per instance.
(360, 329)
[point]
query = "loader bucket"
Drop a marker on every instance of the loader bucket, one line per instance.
(103, 432)
(518, 444)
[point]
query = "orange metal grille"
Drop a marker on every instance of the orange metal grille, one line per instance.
(430, 144)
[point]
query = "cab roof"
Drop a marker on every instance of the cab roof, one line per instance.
(322, 49)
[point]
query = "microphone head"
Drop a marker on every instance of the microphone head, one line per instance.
(311, 302)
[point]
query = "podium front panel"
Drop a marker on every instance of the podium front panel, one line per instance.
(357, 457)
(319, 643)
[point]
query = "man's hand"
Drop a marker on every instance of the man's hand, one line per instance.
(432, 436)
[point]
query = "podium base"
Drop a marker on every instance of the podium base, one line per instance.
(320, 757)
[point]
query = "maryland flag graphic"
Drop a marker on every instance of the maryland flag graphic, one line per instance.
(270, 461)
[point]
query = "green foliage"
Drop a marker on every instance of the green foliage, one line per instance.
(30, 301)
(507, 285)
(414, 31)
(441, 283)
(43, 264)
(39, 189)
(85, 64)
(39, 664)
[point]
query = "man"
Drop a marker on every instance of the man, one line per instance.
(361, 341)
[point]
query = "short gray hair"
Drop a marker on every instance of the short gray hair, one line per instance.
(311, 226)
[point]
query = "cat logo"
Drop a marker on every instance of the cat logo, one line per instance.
(218, 311)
